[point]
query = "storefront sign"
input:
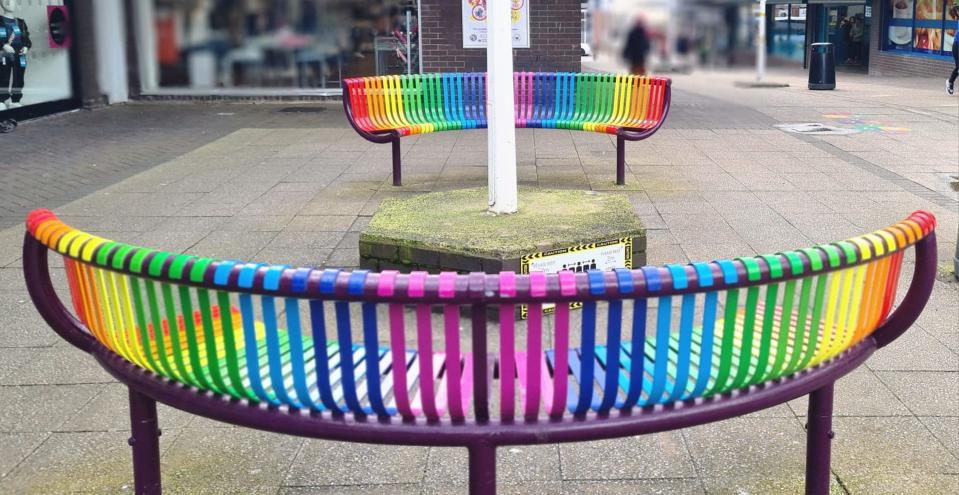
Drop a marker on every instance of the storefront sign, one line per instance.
(474, 23)
(605, 256)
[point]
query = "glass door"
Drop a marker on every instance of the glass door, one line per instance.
(847, 28)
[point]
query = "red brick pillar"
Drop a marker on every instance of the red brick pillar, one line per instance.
(555, 30)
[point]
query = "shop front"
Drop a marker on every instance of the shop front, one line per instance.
(239, 47)
(305, 48)
(37, 59)
(847, 25)
(793, 27)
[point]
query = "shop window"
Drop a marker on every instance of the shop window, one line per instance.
(35, 58)
(219, 45)
(788, 31)
(919, 27)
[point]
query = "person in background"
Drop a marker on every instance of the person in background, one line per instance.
(637, 48)
(856, 33)
(951, 83)
(845, 26)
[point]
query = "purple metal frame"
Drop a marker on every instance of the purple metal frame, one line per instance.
(819, 440)
(623, 134)
(627, 134)
(481, 435)
(378, 138)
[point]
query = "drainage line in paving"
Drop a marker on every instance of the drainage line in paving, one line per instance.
(883, 173)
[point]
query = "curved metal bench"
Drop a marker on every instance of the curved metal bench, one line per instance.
(384, 109)
(363, 357)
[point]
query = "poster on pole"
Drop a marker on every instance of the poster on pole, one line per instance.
(474, 23)
(605, 256)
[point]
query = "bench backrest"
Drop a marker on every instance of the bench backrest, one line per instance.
(421, 345)
(542, 99)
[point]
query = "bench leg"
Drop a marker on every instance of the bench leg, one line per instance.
(145, 440)
(620, 161)
(482, 459)
(397, 172)
(818, 441)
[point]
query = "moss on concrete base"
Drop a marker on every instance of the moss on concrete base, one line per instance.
(458, 222)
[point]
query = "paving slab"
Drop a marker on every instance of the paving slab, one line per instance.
(227, 460)
(718, 181)
(22, 332)
(663, 455)
(860, 393)
(890, 455)
(915, 350)
(501, 488)
(927, 393)
(17, 446)
(323, 463)
(381, 489)
(513, 464)
(30, 408)
(792, 484)
(946, 429)
(109, 411)
(763, 448)
(51, 366)
(85, 462)
(664, 486)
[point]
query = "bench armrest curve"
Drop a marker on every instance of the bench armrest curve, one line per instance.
(369, 136)
(640, 134)
(923, 279)
(37, 274)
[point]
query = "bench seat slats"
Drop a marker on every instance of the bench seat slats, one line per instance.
(418, 104)
(598, 376)
(350, 370)
(643, 337)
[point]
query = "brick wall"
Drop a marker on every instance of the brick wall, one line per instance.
(892, 64)
(554, 30)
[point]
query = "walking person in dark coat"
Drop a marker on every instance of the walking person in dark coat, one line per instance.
(951, 83)
(637, 48)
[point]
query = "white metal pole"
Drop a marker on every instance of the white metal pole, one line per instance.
(761, 43)
(419, 31)
(409, 47)
(499, 107)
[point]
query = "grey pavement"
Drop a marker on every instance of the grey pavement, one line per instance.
(255, 182)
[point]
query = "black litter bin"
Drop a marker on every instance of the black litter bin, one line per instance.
(822, 66)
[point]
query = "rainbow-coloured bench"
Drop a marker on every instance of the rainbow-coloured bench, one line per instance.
(383, 109)
(381, 357)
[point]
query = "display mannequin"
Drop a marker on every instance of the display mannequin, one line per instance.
(14, 45)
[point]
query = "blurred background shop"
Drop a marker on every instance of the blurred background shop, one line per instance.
(85, 53)
(307, 47)
(880, 37)
(224, 45)
(793, 26)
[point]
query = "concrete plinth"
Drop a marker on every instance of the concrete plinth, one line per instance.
(554, 229)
